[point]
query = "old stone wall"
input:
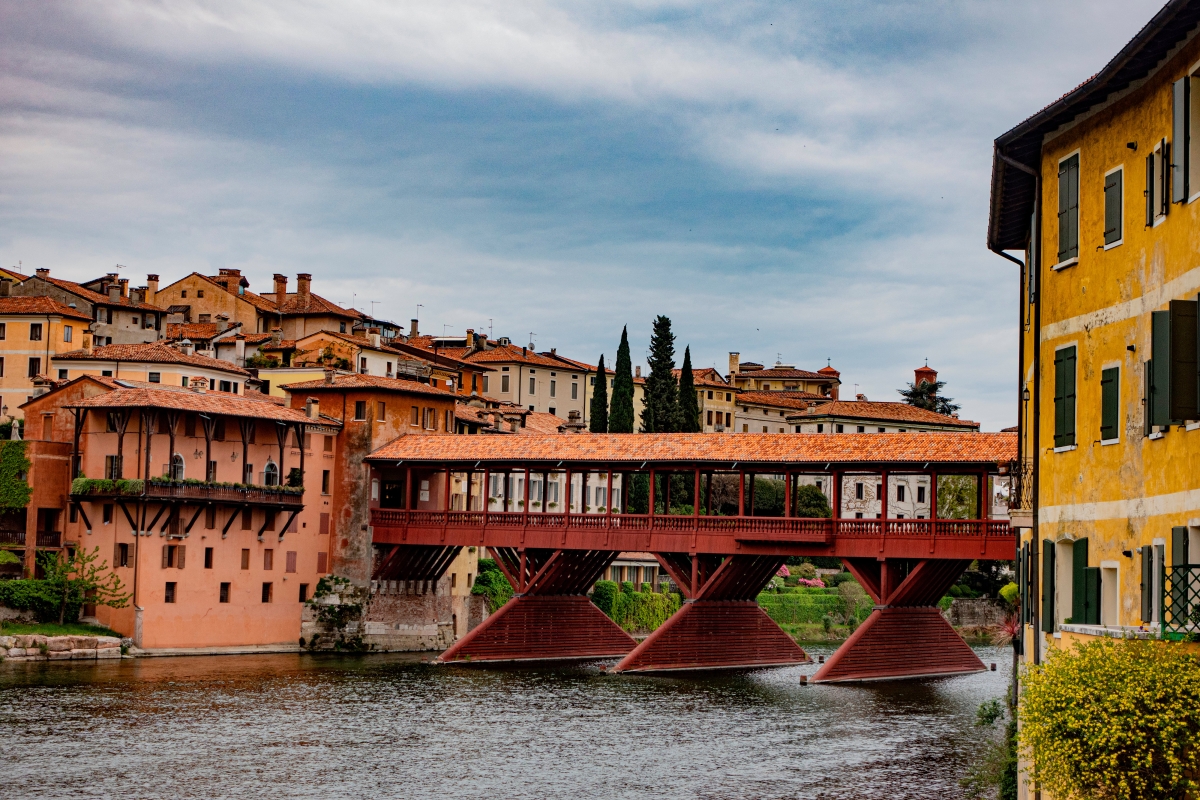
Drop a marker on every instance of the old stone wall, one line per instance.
(978, 613)
(35, 647)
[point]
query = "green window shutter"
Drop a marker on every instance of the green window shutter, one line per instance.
(1091, 595)
(1068, 208)
(1181, 106)
(1179, 546)
(1110, 384)
(1149, 189)
(1023, 581)
(1079, 562)
(1184, 391)
(1047, 586)
(1176, 612)
(1147, 583)
(1160, 375)
(1113, 224)
(1069, 396)
(1164, 177)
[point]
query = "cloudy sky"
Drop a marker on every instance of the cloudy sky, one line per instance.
(794, 180)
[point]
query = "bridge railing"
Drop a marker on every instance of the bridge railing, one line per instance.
(400, 518)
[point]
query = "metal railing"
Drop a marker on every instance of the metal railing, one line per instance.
(1020, 488)
(49, 538)
(12, 537)
(796, 526)
(237, 495)
(1181, 602)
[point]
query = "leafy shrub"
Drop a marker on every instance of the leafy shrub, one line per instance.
(626, 587)
(603, 595)
(793, 607)
(811, 502)
(945, 603)
(492, 584)
(1009, 593)
(83, 485)
(840, 578)
(39, 596)
(643, 611)
(15, 490)
(1114, 719)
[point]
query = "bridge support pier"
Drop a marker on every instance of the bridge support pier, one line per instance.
(906, 635)
(720, 625)
(550, 617)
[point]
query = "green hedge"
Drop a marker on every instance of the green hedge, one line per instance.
(15, 490)
(105, 486)
(643, 611)
(492, 584)
(39, 597)
(604, 593)
(794, 608)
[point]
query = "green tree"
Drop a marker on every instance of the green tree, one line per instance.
(599, 410)
(74, 576)
(620, 415)
(928, 396)
(689, 405)
(661, 414)
(811, 502)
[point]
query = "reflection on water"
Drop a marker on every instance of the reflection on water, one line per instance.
(391, 726)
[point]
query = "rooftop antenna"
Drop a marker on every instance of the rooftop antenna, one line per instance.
(373, 304)
(531, 335)
(489, 327)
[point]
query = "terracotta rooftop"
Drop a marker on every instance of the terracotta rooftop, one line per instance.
(40, 306)
(344, 382)
(95, 297)
(187, 400)
(799, 400)
(705, 376)
(511, 354)
(198, 331)
(882, 412)
(777, 372)
(152, 353)
(744, 448)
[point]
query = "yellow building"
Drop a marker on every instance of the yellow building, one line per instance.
(1095, 198)
(32, 331)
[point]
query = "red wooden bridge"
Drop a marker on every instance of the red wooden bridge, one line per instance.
(721, 514)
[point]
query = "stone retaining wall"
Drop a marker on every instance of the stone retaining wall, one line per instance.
(35, 647)
(976, 613)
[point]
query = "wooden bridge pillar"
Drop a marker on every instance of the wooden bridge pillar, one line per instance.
(720, 625)
(550, 617)
(906, 635)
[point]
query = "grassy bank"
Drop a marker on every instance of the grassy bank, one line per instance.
(54, 629)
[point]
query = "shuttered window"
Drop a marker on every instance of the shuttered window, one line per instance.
(1158, 398)
(1181, 131)
(1064, 397)
(1085, 586)
(1047, 586)
(1110, 391)
(1113, 206)
(1179, 588)
(1150, 212)
(1184, 391)
(1147, 586)
(1068, 208)
(291, 561)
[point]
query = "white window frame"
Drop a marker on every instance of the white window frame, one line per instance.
(1121, 241)
(1073, 260)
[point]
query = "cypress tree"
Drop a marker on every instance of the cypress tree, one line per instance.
(599, 410)
(689, 405)
(661, 414)
(620, 416)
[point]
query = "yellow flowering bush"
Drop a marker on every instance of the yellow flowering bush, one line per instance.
(1114, 719)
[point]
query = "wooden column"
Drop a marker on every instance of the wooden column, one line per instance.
(835, 494)
(787, 494)
(883, 501)
(446, 494)
(652, 499)
(609, 501)
(751, 494)
(526, 506)
(933, 495)
(409, 503)
(696, 495)
(741, 493)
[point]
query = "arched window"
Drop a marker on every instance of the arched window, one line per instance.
(271, 474)
(177, 467)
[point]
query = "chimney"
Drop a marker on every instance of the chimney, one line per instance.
(303, 284)
(735, 360)
(637, 371)
(222, 323)
(239, 350)
(231, 279)
(124, 284)
(514, 424)
(280, 289)
(42, 273)
(114, 293)
(198, 385)
(87, 341)
(470, 338)
(5, 287)
(924, 374)
(373, 338)
(862, 398)
(186, 347)
(412, 331)
(312, 407)
(329, 376)
(276, 336)
(553, 351)
(151, 288)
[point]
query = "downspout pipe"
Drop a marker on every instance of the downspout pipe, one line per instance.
(1034, 279)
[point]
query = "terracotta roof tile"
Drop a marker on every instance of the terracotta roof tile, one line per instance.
(724, 449)
(152, 353)
(344, 382)
(884, 412)
(197, 330)
(187, 400)
(38, 305)
(511, 354)
(775, 372)
(799, 400)
(96, 297)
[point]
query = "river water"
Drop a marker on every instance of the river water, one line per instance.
(387, 726)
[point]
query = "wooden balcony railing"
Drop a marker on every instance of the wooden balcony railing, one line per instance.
(753, 527)
(282, 496)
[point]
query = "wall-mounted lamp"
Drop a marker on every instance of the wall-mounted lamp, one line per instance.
(1025, 394)
(1131, 348)
(1127, 553)
(1131, 145)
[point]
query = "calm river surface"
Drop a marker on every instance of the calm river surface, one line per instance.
(389, 726)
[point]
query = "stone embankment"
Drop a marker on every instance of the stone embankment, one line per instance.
(35, 647)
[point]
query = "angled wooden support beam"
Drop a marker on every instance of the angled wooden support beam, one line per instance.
(229, 522)
(192, 521)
